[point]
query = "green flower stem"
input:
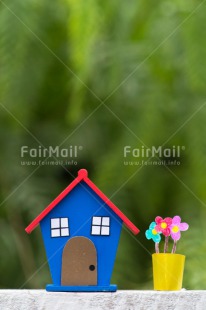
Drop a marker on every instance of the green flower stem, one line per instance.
(157, 247)
(166, 244)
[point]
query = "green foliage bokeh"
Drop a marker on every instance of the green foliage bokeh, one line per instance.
(103, 75)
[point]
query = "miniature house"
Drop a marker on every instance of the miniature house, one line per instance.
(81, 230)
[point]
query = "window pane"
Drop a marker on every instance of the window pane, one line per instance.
(96, 220)
(105, 221)
(55, 232)
(105, 231)
(64, 222)
(65, 232)
(95, 230)
(55, 223)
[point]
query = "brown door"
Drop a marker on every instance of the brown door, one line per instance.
(79, 262)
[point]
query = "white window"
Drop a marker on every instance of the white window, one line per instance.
(100, 226)
(60, 227)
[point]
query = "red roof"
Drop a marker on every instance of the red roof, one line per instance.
(82, 176)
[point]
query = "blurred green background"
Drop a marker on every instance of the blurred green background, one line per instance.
(58, 61)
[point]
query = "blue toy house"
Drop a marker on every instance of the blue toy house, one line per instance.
(81, 230)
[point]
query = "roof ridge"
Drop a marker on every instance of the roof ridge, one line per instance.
(82, 175)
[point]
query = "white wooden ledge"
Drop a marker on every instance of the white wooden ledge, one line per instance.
(121, 300)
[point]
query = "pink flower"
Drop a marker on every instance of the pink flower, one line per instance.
(177, 227)
(163, 225)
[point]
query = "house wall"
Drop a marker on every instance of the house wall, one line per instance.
(80, 205)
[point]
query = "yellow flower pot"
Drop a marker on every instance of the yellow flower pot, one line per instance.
(168, 271)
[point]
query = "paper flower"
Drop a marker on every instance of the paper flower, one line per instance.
(176, 228)
(168, 227)
(152, 233)
(163, 225)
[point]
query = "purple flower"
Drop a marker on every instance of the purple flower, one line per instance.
(176, 228)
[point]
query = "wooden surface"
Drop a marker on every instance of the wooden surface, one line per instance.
(121, 300)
